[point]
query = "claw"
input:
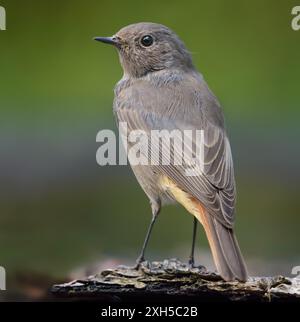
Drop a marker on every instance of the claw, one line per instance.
(191, 263)
(138, 263)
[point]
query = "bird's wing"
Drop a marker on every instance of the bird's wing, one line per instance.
(188, 106)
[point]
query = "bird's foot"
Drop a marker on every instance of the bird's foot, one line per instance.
(139, 261)
(191, 263)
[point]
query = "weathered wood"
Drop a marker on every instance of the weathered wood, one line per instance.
(174, 281)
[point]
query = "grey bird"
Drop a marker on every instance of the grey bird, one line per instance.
(161, 89)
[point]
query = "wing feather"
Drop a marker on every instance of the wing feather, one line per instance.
(190, 106)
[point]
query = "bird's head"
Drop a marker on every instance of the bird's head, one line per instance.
(148, 47)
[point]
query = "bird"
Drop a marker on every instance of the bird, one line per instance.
(162, 90)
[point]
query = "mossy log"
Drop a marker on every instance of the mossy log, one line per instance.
(173, 281)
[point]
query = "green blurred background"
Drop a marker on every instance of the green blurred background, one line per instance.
(60, 210)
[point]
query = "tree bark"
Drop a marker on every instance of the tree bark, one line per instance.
(173, 281)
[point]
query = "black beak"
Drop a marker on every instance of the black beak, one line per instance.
(108, 40)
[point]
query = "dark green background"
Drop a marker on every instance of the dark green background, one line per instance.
(59, 209)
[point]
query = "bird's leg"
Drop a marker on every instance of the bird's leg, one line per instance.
(141, 258)
(192, 257)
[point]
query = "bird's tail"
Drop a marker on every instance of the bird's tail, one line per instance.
(225, 249)
(226, 252)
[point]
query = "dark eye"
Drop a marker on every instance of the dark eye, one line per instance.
(147, 40)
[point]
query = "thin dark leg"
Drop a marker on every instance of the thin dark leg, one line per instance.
(141, 258)
(192, 258)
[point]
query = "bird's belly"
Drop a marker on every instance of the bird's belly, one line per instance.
(192, 205)
(150, 181)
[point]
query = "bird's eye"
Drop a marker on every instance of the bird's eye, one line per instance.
(147, 40)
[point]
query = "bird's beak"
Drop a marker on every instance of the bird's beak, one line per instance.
(108, 40)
